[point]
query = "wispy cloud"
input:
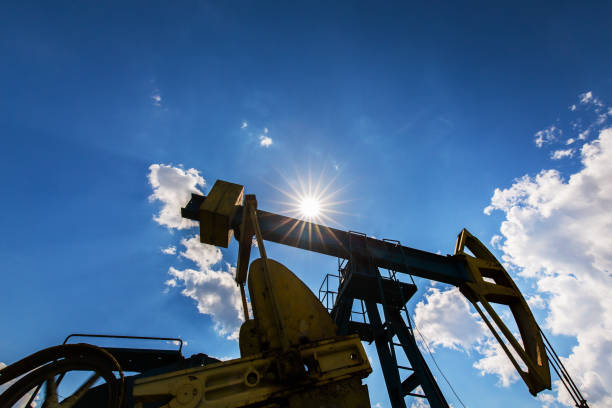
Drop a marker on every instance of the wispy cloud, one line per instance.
(265, 141)
(587, 98)
(156, 98)
(171, 250)
(560, 154)
(583, 135)
(547, 135)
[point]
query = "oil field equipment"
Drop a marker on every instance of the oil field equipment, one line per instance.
(297, 350)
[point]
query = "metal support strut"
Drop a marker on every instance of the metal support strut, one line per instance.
(357, 282)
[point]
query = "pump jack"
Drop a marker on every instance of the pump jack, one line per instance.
(293, 352)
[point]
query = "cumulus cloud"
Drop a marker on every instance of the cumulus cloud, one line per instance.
(536, 302)
(212, 287)
(244, 125)
(558, 232)
(210, 283)
(265, 141)
(495, 361)
(172, 186)
(547, 135)
(556, 236)
(444, 318)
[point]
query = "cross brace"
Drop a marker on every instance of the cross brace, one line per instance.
(359, 282)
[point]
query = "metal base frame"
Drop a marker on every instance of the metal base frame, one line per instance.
(356, 283)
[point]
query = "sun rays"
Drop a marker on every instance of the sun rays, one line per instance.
(311, 200)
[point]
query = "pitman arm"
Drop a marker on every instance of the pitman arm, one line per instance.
(481, 278)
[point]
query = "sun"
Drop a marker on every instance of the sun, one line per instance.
(313, 201)
(310, 207)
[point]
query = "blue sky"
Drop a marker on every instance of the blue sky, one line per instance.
(416, 112)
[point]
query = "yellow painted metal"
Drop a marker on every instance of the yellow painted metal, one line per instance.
(315, 368)
(303, 317)
(490, 283)
(334, 366)
(246, 239)
(217, 211)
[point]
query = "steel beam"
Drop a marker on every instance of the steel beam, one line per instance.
(334, 242)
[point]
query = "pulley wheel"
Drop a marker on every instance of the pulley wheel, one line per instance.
(42, 382)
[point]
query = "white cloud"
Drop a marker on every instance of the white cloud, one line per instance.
(586, 97)
(203, 255)
(419, 403)
(444, 318)
(496, 240)
(547, 399)
(583, 135)
(572, 108)
(213, 288)
(547, 135)
(559, 232)
(266, 130)
(570, 141)
(495, 361)
(156, 98)
(173, 187)
(560, 154)
(171, 250)
(265, 141)
(244, 125)
(536, 302)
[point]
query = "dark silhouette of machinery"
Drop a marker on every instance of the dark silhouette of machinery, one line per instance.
(296, 352)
